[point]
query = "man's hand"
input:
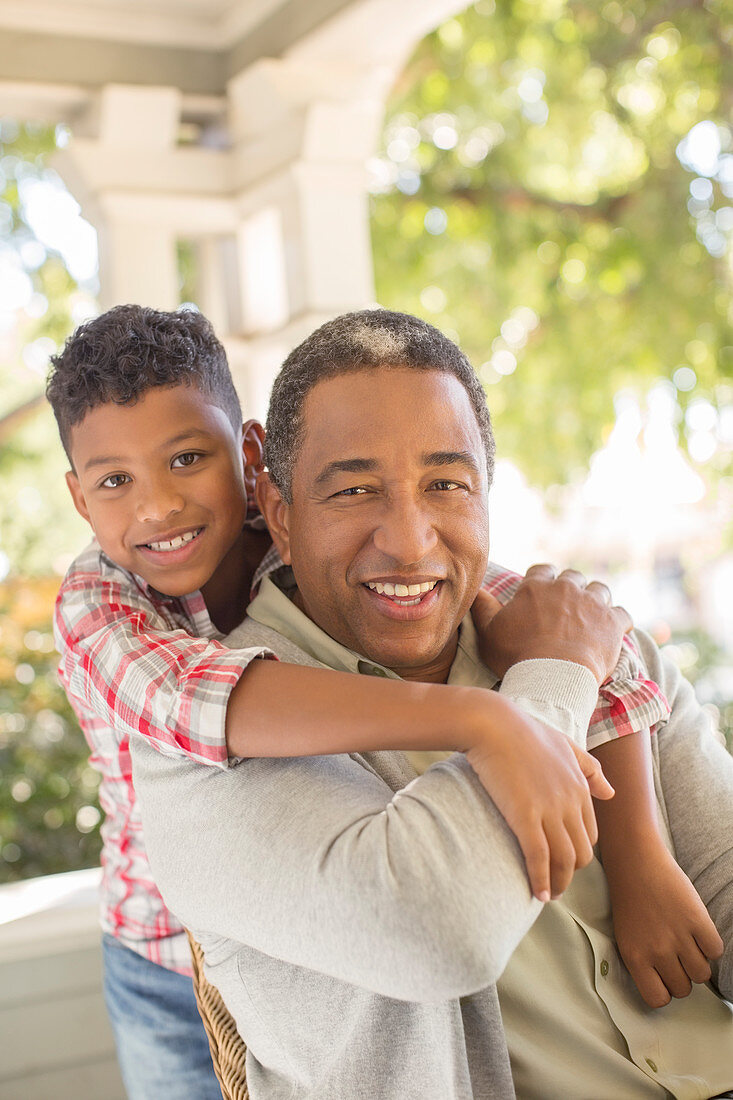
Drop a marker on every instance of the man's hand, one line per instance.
(663, 931)
(542, 784)
(552, 616)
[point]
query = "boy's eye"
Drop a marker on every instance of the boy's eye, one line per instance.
(186, 459)
(114, 481)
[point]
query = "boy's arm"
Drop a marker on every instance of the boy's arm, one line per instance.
(539, 779)
(418, 894)
(663, 931)
(127, 666)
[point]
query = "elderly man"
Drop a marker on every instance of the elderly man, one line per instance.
(355, 917)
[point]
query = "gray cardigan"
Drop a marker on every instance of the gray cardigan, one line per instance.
(355, 918)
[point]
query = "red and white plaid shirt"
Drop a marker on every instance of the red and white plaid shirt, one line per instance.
(133, 661)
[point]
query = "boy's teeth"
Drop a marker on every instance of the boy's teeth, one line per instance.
(401, 590)
(176, 543)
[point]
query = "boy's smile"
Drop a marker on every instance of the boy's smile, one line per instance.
(162, 484)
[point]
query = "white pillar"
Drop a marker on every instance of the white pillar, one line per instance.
(280, 217)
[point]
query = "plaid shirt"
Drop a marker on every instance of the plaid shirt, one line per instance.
(133, 661)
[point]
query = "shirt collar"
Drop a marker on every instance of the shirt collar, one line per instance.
(274, 607)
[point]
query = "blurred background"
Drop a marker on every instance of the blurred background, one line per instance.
(550, 183)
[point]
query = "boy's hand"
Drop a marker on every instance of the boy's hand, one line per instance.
(552, 616)
(542, 784)
(663, 931)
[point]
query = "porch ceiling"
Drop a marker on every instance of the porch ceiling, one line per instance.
(195, 45)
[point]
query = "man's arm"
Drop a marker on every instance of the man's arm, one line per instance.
(418, 895)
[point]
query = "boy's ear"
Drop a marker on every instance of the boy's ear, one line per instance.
(253, 439)
(77, 495)
(276, 513)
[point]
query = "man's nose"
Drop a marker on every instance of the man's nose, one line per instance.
(158, 499)
(406, 533)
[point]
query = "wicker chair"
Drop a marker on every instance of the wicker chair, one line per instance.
(228, 1049)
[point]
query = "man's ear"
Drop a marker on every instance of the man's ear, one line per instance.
(253, 439)
(77, 495)
(276, 513)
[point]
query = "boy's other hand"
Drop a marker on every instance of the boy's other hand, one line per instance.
(663, 931)
(552, 616)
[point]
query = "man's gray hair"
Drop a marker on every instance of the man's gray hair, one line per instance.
(354, 342)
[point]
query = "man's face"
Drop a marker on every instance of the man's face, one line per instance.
(162, 484)
(388, 530)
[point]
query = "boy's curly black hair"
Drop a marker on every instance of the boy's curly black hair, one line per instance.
(131, 349)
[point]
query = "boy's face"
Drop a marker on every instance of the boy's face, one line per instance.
(162, 483)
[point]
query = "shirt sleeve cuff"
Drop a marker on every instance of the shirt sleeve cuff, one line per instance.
(559, 693)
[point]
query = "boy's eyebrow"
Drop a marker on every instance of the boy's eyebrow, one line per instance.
(119, 460)
(346, 466)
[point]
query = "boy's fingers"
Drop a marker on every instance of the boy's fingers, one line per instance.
(695, 965)
(651, 987)
(537, 859)
(709, 941)
(562, 858)
(674, 977)
(581, 840)
(483, 609)
(589, 821)
(598, 785)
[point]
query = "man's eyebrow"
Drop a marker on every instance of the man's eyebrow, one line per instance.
(120, 460)
(345, 466)
(451, 458)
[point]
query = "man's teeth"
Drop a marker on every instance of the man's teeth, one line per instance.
(401, 590)
(176, 543)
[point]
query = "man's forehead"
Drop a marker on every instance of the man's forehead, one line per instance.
(420, 398)
(362, 421)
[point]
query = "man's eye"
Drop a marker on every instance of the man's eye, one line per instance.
(352, 491)
(114, 481)
(186, 459)
(443, 486)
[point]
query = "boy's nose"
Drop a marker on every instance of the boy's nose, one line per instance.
(406, 533)
(158, 501)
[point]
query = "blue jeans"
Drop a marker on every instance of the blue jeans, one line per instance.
(161, 1044)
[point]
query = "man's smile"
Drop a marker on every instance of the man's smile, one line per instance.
(403, 601)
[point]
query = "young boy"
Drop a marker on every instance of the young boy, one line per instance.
(163, 471)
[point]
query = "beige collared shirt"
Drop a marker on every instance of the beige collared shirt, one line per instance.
(576, 1027)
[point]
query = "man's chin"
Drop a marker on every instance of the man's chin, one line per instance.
(430, 663)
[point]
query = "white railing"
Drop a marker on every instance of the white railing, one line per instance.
(54, 1034)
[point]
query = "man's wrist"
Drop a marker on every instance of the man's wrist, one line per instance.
(562, 694)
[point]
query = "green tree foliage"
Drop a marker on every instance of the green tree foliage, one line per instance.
(49, 820)
(540, 194)
(37, 526)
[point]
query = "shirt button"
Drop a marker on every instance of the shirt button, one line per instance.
(652, 1065)
(604, 968)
